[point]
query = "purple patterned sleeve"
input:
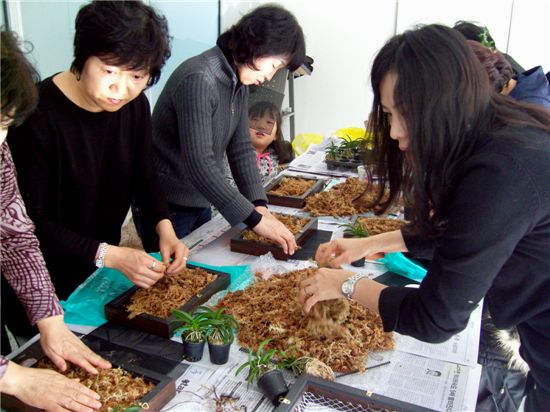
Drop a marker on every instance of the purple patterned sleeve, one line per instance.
(3, 366)
(22, 263)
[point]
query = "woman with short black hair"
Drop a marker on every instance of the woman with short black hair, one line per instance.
(202, 114)
(85, 153)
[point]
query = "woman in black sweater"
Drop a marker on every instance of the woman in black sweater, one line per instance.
(473, 167)
(85, 153)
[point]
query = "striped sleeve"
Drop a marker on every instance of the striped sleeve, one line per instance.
(22, 263)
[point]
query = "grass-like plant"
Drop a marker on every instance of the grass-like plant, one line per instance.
(259, 363)
(221, 325)
(194, 327)
(355, 229)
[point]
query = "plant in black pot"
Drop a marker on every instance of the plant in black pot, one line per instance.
(269, 378)
(220, 334)
(356, 230)
(193, 329)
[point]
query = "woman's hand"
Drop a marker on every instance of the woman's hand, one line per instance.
(337, 252)
(273, 229)
(47, 389)
(326, 284)
(171, 248)
(60, 345)
(136, 265)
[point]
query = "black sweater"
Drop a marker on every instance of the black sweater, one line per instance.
(78, 172)
(496, 245)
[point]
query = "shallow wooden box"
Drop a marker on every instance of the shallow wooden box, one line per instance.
(115, 310)
(160, 395)
(238, 244)
(297, 202)
(312, 392)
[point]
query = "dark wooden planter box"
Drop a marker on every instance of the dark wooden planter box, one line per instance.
(115, 310)
(238, 244)
(160, 395)
(297, 202)
(340, 397)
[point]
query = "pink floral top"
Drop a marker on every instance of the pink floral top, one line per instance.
(21, 259)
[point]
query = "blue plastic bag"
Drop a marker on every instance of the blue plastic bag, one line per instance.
(85, 306)
(401, 265)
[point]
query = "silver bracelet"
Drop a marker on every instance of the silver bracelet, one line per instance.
(101, 251)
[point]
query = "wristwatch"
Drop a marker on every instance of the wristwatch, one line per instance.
(348, 287)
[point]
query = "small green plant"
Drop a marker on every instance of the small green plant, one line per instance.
(355, 229)
(134, 408)
(222, 325)
(332, 151)
(193, 326)
(259, 363)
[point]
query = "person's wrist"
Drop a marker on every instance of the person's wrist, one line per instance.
(111, 256)
(12, 379)
(165, 229)
(100, 255)
(47, 324)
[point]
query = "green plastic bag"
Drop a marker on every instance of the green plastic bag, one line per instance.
(85, 306)
(401, 265)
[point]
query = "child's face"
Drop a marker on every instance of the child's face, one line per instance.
(107, 87)
(263, 131)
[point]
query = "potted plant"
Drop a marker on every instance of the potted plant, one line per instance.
(356, 230)
(220, 333)
(269, 378)
(194, 328)
(304, 364)
(332, 151)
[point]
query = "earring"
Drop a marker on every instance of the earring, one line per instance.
(77, 77)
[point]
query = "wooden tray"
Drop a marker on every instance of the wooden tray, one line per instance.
(339, 397)
(297, 202)
(160, 395)
(115, 310)
(238, 244)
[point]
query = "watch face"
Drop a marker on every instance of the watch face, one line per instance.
(346, 287)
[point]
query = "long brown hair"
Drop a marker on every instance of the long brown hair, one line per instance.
(448, 104)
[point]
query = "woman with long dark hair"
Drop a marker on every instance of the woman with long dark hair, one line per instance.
(473, 168)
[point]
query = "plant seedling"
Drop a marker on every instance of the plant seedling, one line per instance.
(259, 363)
(193, 326)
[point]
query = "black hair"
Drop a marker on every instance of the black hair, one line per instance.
(280, 146)
(122, 33)
(498, 69)
(472, 31)
(268, 30)
(448, 105)
(19, 93)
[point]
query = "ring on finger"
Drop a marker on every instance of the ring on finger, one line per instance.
(185, 258)
(153, 266)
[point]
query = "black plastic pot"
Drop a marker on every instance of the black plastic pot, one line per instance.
(192, 351)
(359, 263)
(219, 354)
(273, 386)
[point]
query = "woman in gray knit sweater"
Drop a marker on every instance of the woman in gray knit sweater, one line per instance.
(202, 114)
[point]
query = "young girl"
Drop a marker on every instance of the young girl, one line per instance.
(473, 166)
(267, 138)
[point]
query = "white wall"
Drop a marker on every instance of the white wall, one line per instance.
(343, 36)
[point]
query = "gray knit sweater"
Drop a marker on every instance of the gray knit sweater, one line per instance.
(201, 114)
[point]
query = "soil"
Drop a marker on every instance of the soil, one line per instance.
(292, 186)
(344, 199)
(116, 387)
(270, 309)
(293, 223)
(169, 293)
(377, 225)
